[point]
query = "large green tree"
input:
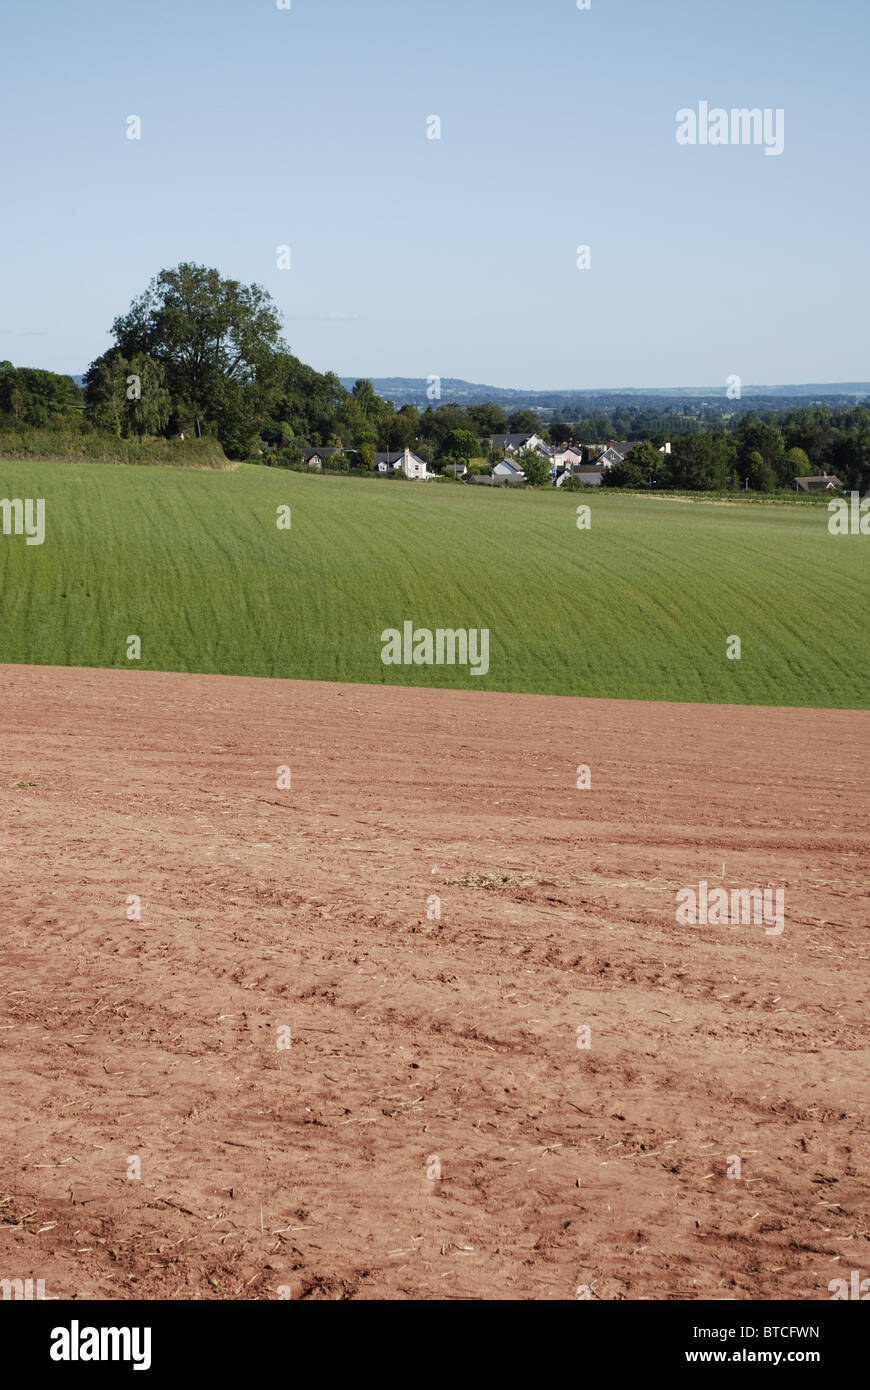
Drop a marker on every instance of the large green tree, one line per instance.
(487, 418)
(758, 473)
(215, 339)
(367, 398)
(702, 462)
(652, 465)
(460, 446)
(535, 466)
(127, 398)
(525, 422)
(34, 396)
(626, 474)
(314, 404)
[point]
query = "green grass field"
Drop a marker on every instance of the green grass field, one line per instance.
(640, 606)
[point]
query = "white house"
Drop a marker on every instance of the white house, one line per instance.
(518, 443)
(508, 472)
(615, 453)
(618, 453)
(571, 456)
(402, 461)
(591, 475)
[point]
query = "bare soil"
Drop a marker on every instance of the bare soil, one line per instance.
(419, 1043)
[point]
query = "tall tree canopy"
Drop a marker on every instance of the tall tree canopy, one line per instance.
(215, 339)
(127, 398)
(34, 397)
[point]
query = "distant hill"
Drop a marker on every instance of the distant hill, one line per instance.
(407, 390)
(413, 390)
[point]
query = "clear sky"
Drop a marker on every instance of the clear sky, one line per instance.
(307, 127)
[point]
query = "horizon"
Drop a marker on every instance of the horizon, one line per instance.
(569, 390)
(712, 390)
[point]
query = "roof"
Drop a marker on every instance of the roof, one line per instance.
(325, 452)
(508, 463)
(827, 480)
(509, 441)
(394, 456)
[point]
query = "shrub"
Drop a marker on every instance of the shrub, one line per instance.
(75, 439)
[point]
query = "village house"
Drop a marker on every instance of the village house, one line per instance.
(827, 482)
(569, 456)
(402, 461)
(615, 453)
(612, 454)
(587, 462)
(316, 458)
(517, 443)
(507, 471)
(590, 474)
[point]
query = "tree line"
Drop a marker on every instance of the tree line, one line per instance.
(761, 454)
(200, 355)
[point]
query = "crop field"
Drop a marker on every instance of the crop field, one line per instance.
(641, 604)
(434, 911)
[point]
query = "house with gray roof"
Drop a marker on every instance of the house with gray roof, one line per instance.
(316, 458)
(518, 443)
(507, 471)
(827, 482)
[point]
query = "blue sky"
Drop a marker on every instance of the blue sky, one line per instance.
(454, 257)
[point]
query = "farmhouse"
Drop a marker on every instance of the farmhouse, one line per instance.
(402, 461)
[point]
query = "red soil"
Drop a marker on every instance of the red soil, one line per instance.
(305, 1168)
